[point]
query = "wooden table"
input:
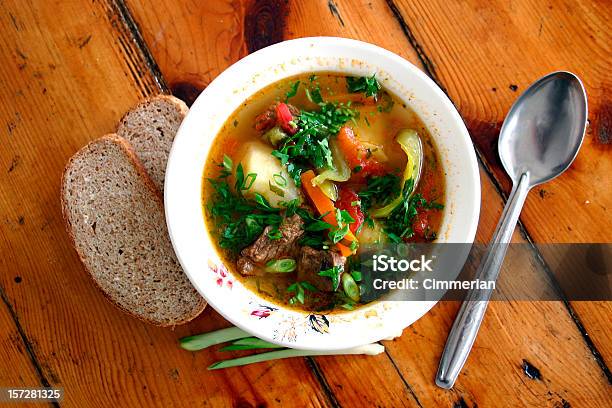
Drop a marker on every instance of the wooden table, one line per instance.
(70, 69)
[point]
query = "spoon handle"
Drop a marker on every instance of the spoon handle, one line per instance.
(466, 325)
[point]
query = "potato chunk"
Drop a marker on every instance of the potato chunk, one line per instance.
(272, 181)
(371, 235)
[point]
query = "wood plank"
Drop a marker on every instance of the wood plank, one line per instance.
(193, 44)
(490, 213)
(530, 39)
(539, 332)
(14, 350)
(178, 68)
(344, 375)
(493, 375)
(69, 73)
(350, 19)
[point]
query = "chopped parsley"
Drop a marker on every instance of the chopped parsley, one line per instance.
(292, 90)
(309, 147)
(336, 233)
(398, 225)
(334, 274)
(314, 95)
(367, 85)
(242, 183)
(275, 234)
(380, 190)
(300, 288)
(313, 230)
(238, 220)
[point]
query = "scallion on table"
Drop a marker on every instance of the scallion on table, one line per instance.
(241, 340)
(202, 341)
(369, 349)
(250, 343)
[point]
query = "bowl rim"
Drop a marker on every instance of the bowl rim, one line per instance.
(334, 42)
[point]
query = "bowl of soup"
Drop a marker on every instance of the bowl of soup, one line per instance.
(291, 162)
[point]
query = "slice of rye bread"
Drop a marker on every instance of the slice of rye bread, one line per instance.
(115, 217)
(150, 128)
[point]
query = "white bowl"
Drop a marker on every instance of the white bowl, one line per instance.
(195, 137)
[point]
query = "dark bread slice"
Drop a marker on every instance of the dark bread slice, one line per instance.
(150, 128)
(115, 217)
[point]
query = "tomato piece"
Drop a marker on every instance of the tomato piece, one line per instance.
(357, 155)
(420, 224)
(353, 150)
(346, 199)
(284, 118)
(373, 167)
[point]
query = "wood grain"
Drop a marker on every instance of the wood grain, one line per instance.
(539, 332)
(529, 40)
(342, 373)
(14, 350)
(193, 44)
(70, 71)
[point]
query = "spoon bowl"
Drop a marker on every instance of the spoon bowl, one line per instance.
(544, 128)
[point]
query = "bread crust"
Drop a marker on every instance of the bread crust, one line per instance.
(176, 101)
(130, 154)
(152, 146)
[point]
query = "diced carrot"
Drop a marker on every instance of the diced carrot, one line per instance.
(323, 204)
(344, 250)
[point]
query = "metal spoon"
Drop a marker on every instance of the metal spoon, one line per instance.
(538, 141)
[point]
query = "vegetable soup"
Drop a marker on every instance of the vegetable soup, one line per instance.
(307, 170)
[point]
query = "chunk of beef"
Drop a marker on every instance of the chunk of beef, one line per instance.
(267, 119)
(313, 261)
(247, 267)
(264, 249)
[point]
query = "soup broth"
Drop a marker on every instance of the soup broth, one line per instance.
(289, 217)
